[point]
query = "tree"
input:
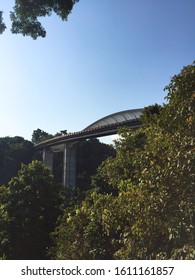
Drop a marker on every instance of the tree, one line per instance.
(25, 15)
(159, 209)
(178, 114)
(90, 153)
(2, 24)
(4, 194)
(81, 233)
(31, 208)
(13, 152)
(40, 135)
(159, 191)
(151, 212)
(151, 114)
(114, 169)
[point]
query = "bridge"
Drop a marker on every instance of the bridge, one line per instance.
(66, 143)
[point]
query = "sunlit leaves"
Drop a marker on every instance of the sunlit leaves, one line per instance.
(143, 206)
(178, 114)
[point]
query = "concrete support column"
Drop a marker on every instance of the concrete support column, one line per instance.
(48, 158)
(69, 164)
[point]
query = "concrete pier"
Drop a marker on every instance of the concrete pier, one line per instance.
(69, 161)
(48, 158)
(69, 165)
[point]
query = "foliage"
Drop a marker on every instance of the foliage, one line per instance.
(151, 114)
(111, 171)
(162, 211)
(25, 15)
(13, 152)
(80, 234)
(40, 135)
(30, 206)
(178, 114)
(148, 212)
(90, 154)
(4, 194)
(2, 24)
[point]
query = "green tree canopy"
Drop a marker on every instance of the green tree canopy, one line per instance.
(30, 207)
(40, 135)
(25, 15)
(151, 212)
(90, 154)
(178, 114)
(13, 152)
(2, 24)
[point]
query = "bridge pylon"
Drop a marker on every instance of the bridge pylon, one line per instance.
(69, 161)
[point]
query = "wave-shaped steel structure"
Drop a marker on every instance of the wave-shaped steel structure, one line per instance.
(105, 126)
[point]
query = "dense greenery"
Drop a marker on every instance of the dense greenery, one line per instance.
(40, 135)
(32, 200)
(26, 13)
(147, 211)
(139, 205)
(90, 154)
(13, 152)
(2, 24)
(30, 206)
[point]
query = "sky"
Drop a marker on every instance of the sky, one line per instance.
(109, 56)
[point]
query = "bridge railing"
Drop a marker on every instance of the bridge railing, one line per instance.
(86, 133)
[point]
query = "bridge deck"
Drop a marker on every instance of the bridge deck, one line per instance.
(106, 126)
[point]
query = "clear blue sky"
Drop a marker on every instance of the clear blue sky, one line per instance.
(109, 56)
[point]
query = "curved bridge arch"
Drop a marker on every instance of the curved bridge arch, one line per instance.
(103, 127)
(116, 118)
